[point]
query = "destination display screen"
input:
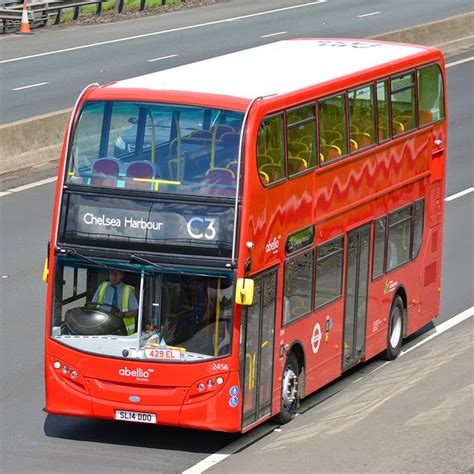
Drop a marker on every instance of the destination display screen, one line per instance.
(146, 225)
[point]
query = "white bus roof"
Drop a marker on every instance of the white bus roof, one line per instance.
(275, 68)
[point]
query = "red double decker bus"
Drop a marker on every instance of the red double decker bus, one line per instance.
(231, 235)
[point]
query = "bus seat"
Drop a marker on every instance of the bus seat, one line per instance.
(354, 145)
(331, 152)
(233, 166)
(201, 134)
(295, 147)
(425, 117)
(322, 158)
(264, 177)
(273, 170)
(330, 136)
(296, 165)
(398, 127)
(363, 139)
(139, 169)
(219, 130)
(307, 140)
(219, 182)
(264, 159)
(105, 172)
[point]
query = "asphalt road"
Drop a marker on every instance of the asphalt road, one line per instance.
(46, 71)
(414, 414)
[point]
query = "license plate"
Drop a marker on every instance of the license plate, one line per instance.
(136, 416)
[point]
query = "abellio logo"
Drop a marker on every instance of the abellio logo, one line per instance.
(139, 373)
(272, 246)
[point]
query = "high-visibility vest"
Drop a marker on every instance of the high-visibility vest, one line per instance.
(127, 291)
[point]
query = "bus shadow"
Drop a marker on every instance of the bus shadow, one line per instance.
(136, 434)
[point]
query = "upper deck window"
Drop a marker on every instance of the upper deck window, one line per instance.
(156, 147)
(403, 104)
(430, 94)
(332, 128)
(271, 150)
(361, 118)
(301, 139)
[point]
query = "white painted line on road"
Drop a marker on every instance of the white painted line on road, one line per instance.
(273, 34)
(459, 194)
(232, 448)
(155, 33)
(379, 367)
(443, 327)
(367, 14)
(163, 57)
(28, 186)
(461, 61)
(29, 87)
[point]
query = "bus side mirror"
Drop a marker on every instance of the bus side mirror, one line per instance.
(244, 293)
(45, 271)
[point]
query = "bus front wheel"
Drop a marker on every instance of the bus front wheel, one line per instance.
(289, 389)
(395, 330)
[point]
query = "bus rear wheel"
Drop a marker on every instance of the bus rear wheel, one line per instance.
(395, 330)
(289, 390)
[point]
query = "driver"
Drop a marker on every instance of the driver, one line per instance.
(121, 296)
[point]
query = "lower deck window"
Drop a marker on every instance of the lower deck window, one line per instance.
(298, 285)
(329, 261)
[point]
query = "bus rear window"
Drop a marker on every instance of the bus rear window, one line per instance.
(156, 147)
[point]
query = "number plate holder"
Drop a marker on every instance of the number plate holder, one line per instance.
(135, 416)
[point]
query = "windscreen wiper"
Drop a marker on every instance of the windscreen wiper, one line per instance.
(140, 259)
(75, 253)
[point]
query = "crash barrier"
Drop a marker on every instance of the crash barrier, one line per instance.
(39, 12)
(38, 139)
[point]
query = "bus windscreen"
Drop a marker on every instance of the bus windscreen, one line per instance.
(155, 315)
(154, 147)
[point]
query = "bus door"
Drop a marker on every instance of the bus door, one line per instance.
(256, 353)
(355, 308)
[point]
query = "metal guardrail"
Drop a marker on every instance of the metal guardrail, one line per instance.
(39, 11)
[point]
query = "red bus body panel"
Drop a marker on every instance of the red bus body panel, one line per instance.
(336, 198)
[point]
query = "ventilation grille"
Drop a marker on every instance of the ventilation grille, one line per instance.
(434, 242)
(430, 273)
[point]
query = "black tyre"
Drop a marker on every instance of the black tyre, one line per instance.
(395, 330)
(289, 390)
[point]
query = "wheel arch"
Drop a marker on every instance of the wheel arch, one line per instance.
(297, 349)
(402, 293)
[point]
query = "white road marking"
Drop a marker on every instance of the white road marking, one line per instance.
(254, 435)
(163, 57)
(155, 33)
(28, 186)
(461, 61)
(379, 367)
(273, 34)
(443, 327)
(367, 14)
(30, 86)
(459, 194)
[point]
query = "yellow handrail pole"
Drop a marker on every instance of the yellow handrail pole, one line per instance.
(248, 356)
(157, 182)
